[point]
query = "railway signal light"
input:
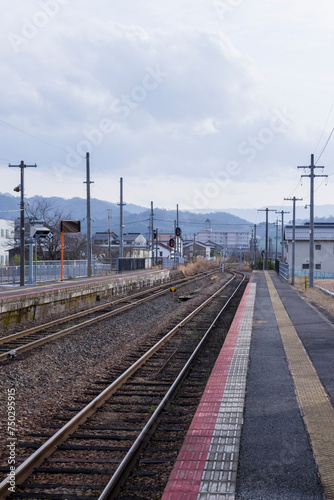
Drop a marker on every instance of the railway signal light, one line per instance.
(178, 231)
(171, 242)
(155, 234)
(17, 189)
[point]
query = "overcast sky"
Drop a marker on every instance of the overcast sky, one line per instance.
(210, 104)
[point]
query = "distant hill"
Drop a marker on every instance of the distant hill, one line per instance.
(256, 216)
(136, 218)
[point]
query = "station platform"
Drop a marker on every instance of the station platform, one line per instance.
(264, 429)
(31, 302)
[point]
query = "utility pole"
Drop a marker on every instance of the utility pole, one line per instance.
(255, 241)
(89, 220)
(312, 175)
(22, 166)
(109, 242)
(121, 225)
(156, 246)
(152, 235)
(294, 199)
(194, 247)
(282, 231)
(177, 225)
(267, 210)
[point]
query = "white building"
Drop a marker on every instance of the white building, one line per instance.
(6, 239)
(230, 240)
(323, 247)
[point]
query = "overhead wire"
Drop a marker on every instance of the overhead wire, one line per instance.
(323, 131)
(33, 136)
(325, 146)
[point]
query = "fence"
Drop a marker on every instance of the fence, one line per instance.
(49, 270)
(282, 269)
(316, 274)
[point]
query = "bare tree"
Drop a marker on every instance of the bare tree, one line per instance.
(49, 249)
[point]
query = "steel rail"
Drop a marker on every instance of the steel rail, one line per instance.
(56, 335)
(123, 469)
(38, 457)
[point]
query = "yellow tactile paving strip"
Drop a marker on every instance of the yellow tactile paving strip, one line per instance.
(315, 405)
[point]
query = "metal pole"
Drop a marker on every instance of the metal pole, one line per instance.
(151, 231)
(109, 242)
(30, 278)
(177, 225)
(22, 166)
(276, 239)
(293, 240)
(266, 262)
(121, 225)
(89, 221)
(156, 246)
(311, 284)
(312, 176)
(194, 247)
(255, 246)
(62, 256)
(294, 199)
(22, 229)
(282, 236)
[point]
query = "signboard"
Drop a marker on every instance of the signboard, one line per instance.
(70, 226)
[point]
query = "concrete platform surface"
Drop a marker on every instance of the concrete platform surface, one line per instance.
(264, 429)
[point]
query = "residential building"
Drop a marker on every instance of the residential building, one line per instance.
(323, 246)
(6, 239)
(230, 240)
(134, 245)
(165, 237)
(193, 249)
(102, 238)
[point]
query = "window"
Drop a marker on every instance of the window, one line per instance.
(7, 233)
(306, 266)
(318, 246)
(318, 266)
(2, 233)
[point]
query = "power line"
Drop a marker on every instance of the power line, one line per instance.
(330, 135)
(322, 133)
(33, 136)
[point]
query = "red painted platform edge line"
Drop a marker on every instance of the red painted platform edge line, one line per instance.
(175, 485)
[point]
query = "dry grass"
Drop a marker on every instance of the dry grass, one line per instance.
(199, 266)
(315, 295)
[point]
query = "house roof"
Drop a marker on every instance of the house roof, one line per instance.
(197, 244)
(131, 237)
(322, 232)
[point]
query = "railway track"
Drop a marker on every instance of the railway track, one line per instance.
(15, 344)
(107, 434)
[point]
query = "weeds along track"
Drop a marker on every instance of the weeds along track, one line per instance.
(15, 344)
(132, 426)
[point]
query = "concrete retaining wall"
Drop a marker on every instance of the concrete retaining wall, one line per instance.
(35, 306)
